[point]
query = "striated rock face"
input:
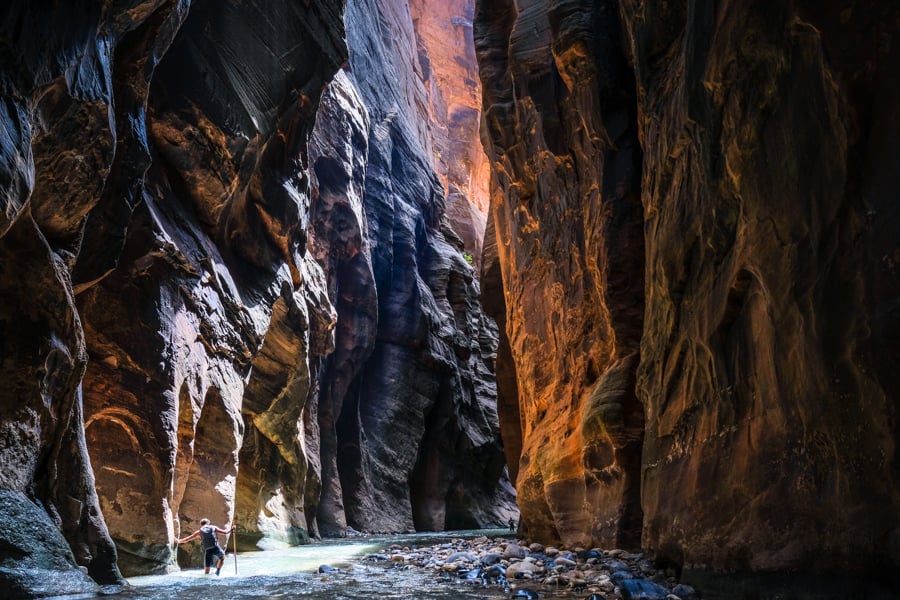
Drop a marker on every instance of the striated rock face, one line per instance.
(770, 156)
(228, 312)
(408, 422)
(448, 66)
(339, 240)
(741, 316)
(155, 203)
(205, 331)
(561, 130)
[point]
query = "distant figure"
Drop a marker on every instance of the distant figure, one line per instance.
(210, 544)
(512, 526)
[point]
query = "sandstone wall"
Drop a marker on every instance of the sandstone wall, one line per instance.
(409, 427)
(560, 127)
(227, 312)
(449, 69)
(729, 296)
(155, 206)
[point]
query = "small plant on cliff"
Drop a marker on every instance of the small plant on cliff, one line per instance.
(469, 258)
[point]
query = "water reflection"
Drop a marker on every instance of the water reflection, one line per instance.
(291, 573)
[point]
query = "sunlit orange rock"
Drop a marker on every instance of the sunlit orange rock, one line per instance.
(449, 69)
(560, 127)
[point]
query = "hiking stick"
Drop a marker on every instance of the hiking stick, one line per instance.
(234, 544)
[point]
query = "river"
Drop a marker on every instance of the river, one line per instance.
(291, 572)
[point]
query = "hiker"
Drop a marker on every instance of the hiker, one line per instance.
(512, 526)
(210, 544)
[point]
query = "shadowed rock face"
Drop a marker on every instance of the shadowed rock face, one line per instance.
(760, 337)
(770, 153)
(409, 427)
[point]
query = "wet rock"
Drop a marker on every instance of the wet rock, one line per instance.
(35, 558)
(327, 569)
(525, 568)
(491, 558)
(641, 589)
(526, 593)
(685, 592)
(462, 556)
(514, 550)
(619, 576)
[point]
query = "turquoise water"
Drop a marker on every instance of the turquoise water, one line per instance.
(291, 573)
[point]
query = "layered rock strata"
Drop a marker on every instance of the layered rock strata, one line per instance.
(730, 295)
(169, 268)
(409, 427)
(449, 69)
(561, 130)
(155, 206)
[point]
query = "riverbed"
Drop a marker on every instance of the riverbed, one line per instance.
(291, 572)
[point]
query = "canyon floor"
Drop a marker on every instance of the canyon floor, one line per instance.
(427, 566)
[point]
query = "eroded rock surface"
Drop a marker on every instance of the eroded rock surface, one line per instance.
(244, 344)
(754, 350)
(154, 212)
(769, 156)
(560, 121)
(204, 332)
(411, 400)
(449, 69)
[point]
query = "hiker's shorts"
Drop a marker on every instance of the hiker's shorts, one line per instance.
(213, 554)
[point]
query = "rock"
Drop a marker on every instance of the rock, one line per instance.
(462, 556)
(446, 55)
(514, 550)
(562, 561)
(495, 572)
(425, 413)
(490, 558)
(586, 555)
(535, 548)
(44, 564)
(685, 592)
(525, 568)
(551, 551)
(688, 156)
(616, 565)
(526, 593)
(641, 589)
(326, 569)
(543, 71)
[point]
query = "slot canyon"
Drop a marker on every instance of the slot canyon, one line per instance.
(623, 272)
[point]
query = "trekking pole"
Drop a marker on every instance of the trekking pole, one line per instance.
(234, 544)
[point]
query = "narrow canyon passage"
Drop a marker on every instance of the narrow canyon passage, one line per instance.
(620, 273)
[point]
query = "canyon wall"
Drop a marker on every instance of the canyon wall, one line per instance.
(449, 69)
(561, 129)
(408, 413)
(697, 239)
(215, 303)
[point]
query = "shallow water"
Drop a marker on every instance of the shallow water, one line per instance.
(291, 573)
